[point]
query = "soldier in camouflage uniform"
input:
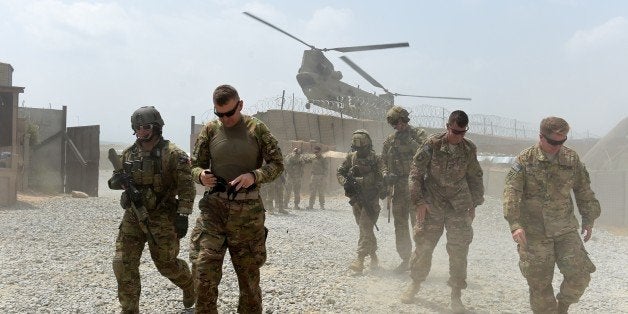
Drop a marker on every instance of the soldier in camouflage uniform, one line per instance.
(232, 148)
(317, 183)
(540, 212)
(445, 186)
(161, 172)
(363, 167)
(274, 195)
(294, 168)
(399, 148)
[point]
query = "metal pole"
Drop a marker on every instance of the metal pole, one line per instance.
(192, 132)
(63, 148)
(283, 98)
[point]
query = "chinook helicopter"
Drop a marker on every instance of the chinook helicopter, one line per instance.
(323, 87)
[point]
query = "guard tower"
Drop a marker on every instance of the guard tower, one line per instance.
(9, 144)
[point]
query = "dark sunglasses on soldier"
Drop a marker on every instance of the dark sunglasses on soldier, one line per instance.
(553, 142)
(228, 113)
(458, 132)
(145, 127)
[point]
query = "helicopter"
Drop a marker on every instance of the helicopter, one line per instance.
(323, 87)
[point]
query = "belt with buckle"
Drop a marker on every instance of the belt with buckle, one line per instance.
(244, 195)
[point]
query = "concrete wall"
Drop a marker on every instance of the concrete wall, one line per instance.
(47, 161)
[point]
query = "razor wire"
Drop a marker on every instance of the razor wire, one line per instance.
(427, 116)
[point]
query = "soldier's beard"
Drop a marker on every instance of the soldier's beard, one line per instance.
(362, 152)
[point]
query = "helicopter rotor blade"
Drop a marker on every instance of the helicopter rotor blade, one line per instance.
(437, 97)
(279, 29)
(369, 47)
(362, 73)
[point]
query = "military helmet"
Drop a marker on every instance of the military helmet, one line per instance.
(396, 114)
(146, 115)
(361, 138)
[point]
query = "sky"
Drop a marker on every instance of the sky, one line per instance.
(517, 59)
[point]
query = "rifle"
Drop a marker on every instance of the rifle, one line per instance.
(353, 189)
(124, 179)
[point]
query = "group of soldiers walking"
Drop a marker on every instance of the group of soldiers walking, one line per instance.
(433, 184)
(436, 184)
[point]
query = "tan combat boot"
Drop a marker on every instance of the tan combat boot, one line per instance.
(374, 261)
(456, 302)
(358, 264)
(407, 296)
(189, 297)
(562, 307)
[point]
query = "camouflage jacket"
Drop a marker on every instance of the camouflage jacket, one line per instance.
(319, 165)
(367, 172)
(454, 176)
(295, 163)
(537, 195)
(399, 148)
(162, 175)
(269, 151)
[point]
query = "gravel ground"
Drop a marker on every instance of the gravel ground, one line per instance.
(55, 257)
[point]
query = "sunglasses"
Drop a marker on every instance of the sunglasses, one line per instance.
(458, 132)
(228, 113)
(144, 127)
(553, 142)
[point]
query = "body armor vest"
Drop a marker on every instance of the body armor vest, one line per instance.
(146, 169)
(401, 153)
(366, 168)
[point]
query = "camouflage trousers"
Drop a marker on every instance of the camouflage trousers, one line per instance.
(367, 242)
(317, 187)
(238, 226)
(195, 247)
(293, 186)
(459, 236)
(129, 246)
(536, 262)
(403, 212)
(273, 193)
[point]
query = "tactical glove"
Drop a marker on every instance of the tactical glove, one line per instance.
(355, 171)
(125, 200)
(181, 225)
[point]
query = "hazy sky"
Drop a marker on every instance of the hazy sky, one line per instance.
(516, 59)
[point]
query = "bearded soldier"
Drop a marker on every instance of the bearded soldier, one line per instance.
(445, 187)
(399, 148)
(228, 158)
(540, 211)
(160, 173)
(360, 175)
